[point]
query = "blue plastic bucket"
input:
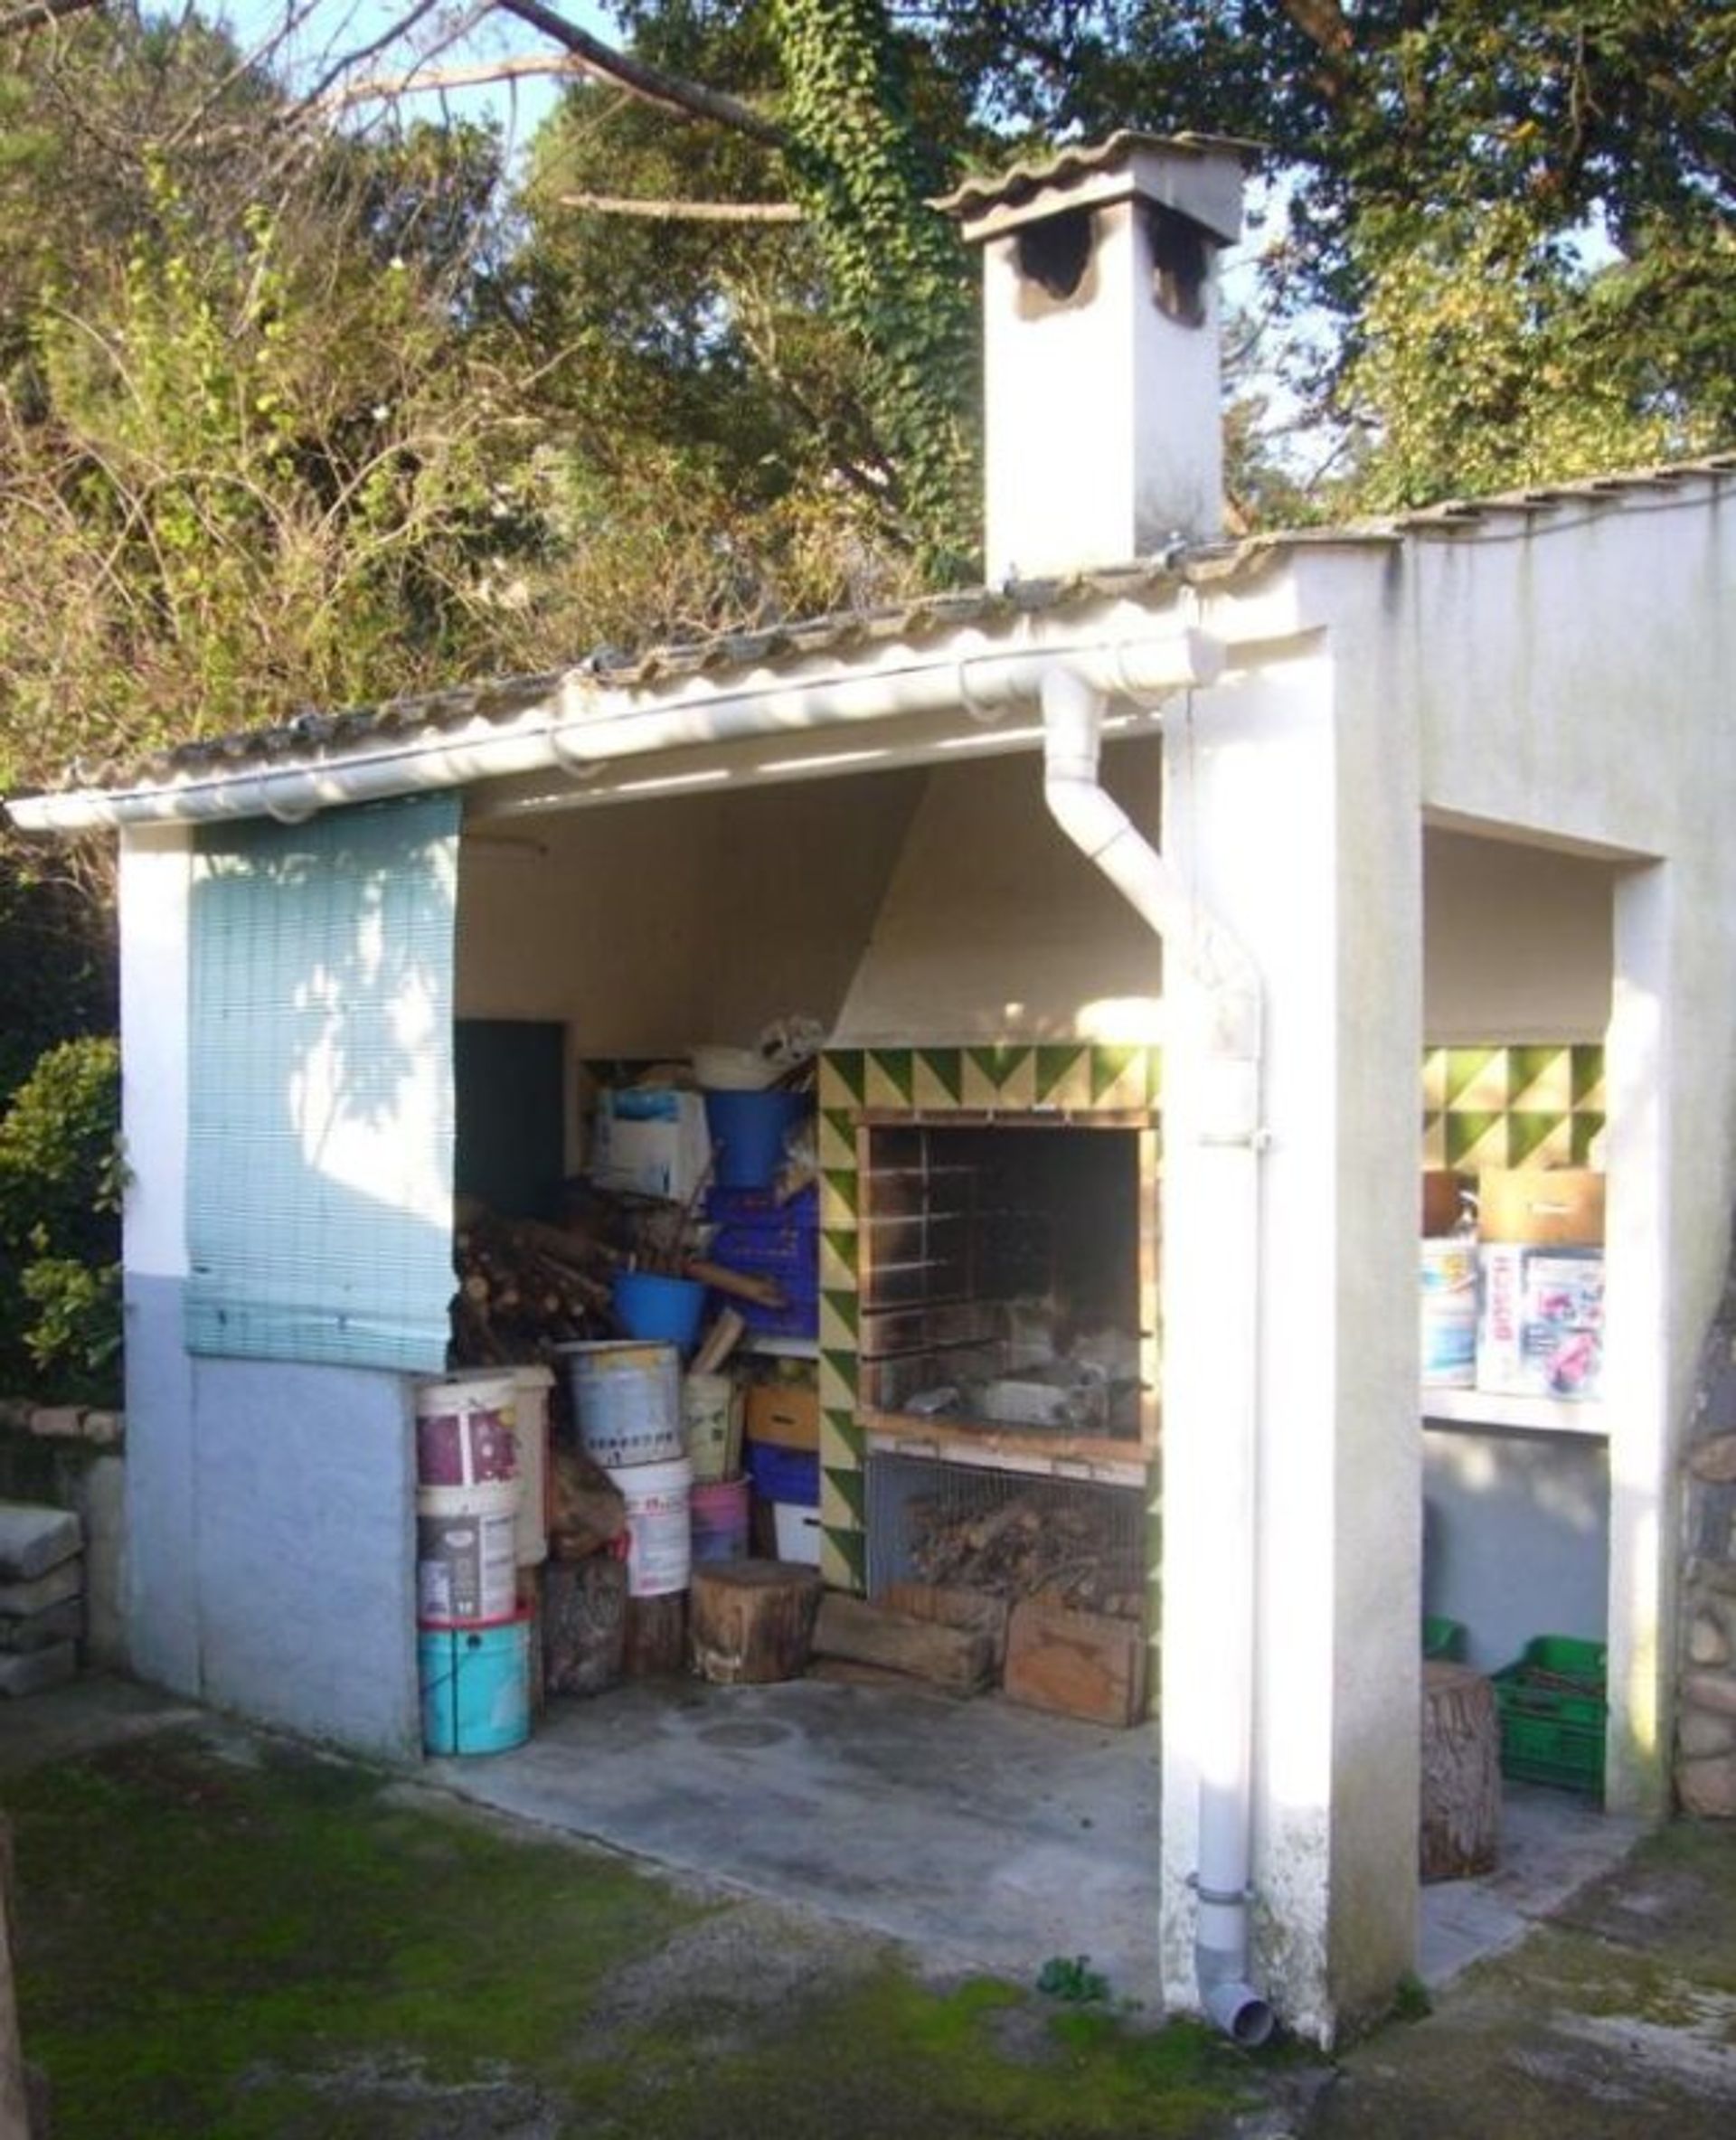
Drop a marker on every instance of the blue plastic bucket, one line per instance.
(649, 1305)
(475, 1687)
(747, 1131)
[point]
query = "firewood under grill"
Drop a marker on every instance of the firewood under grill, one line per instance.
(1034, 1545)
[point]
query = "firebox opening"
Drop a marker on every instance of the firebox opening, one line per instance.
(1005, 1283)
(1054, 254)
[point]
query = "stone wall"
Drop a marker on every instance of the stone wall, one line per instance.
(66, 1456)
(1705, 1749)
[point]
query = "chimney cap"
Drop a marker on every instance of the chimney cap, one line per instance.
(1198, 175)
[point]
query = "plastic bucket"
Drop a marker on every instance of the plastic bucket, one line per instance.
(627, 1399)
(649, 1305)
(476, 1685)
(710, 1425)
(464, 1431)
(466, 1556)
(747, 1130)
(720, 1521)
(532, 1385)
(1449, 1314)
(659, 1544)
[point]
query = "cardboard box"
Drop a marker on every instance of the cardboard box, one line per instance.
(1539, 1329)
(1442, 1208)
(785, 1413)
(798, 1532)
(1541, 1205)
(649, 1140)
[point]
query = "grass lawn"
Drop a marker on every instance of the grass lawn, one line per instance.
(226, 1935)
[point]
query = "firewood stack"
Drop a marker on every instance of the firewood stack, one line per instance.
(1034, 1545)
(523, 1285)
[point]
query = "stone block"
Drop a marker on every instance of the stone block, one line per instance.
(1700, 1733)
(58, 1422)
(1707, 1642)
(36, 1670)
(1714, 1461)
(1710, 1689)
(20, 1600)
(34, 1540)
(40, 1630)
(105, 1430)
(14, 1413)
(1708, 1788)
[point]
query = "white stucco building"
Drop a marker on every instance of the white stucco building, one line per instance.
(1319, 818)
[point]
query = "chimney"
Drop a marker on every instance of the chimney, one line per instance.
(1101, 378)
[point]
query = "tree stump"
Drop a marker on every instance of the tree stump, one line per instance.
(753, 1621)
(1460, 1828)
(584, 1624)
(656, 1636)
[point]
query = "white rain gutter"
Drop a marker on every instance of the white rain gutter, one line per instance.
(588, 726)
(1222, 1078)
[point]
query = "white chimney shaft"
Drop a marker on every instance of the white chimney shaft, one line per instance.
(1101, 352)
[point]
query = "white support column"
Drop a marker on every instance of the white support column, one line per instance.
(1652, 1161)
(1285, 827)
(162, 1472)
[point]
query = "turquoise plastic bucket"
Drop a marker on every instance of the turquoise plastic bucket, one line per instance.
(747, 1130)
(475, 1687)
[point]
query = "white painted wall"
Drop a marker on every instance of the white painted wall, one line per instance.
(685, 919)
(1518, 942)
(995, 926)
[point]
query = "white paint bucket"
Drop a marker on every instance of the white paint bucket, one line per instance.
(710, 1416)
(627, 1398)
(659, 1541)
(1449, 1313)
(532, 1386)
(466, 1562)
(464, 1431)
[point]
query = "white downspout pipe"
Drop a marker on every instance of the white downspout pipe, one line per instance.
(1222, 1079)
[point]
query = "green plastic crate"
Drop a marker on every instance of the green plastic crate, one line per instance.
(1443, 1639)
(1552, 1706)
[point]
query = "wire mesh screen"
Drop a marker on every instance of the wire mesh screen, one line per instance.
(1074, 1541)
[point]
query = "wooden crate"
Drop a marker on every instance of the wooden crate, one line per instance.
(1076, 1663)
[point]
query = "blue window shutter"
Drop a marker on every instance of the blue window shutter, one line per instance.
(319, 1209)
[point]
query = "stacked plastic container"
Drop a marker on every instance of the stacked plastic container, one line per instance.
(473, 1638)
(768, 1240)
(627, 1399)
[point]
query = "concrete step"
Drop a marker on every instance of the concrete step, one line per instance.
(30, 1674)
(34, 1540)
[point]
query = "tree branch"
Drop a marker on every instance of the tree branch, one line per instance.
(686, 212)
(385, 87)
(671, 92)
(38, 11)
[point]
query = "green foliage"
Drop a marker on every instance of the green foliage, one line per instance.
(1487, 362)
(1071, 1977)
(62, 1178)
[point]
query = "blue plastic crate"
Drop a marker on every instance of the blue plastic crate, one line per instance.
(798, 1318)
(790, 1254)
(759, 1207)
(791, 1475)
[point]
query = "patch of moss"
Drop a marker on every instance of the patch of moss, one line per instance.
(293, 1949)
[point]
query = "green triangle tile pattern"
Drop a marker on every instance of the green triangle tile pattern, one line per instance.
(846, 1561)
(1587, 1072)
(1540, 1079)
(841, 1361)
(1585, 1129)
(837, 1127)
(946, 1067)
(999, 1065)
(897, 1068)
(1476, 1077)
(1466, 1131)
(1528, 1135)
(851, 1488)
(843, 1183)
(847, 1435)
(1109, 1065)
(846, 1308)
(842, 1077)
(1053, 1065)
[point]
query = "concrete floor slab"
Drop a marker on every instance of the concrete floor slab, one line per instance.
(982, 1835)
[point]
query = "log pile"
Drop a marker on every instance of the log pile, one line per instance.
(523, 1285)
(1034, 1545)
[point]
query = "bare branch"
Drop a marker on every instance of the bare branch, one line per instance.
(651, 85)
(32, 16)
(386, 88)
(686, 212)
